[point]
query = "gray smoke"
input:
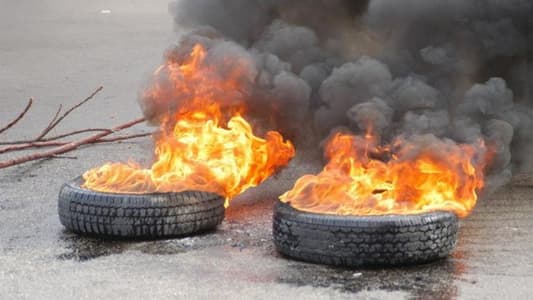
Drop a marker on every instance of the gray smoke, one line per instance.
(421, 69)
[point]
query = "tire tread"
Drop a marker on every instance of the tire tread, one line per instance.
(148, 216)
(363, 241)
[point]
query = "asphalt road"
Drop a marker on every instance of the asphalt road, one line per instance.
(58, 52)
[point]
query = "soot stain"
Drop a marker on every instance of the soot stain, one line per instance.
(80, 248)
(434, 280)
(84, 248)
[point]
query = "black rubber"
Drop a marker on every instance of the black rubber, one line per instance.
(146, 216)
(354, 241)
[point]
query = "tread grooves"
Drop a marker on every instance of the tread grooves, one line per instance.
(137, 216)
(358, 241)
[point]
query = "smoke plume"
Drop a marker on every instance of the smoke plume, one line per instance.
(426, 70)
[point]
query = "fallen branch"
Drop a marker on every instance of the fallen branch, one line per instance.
(49, 126)
(123, 138)
(55, 121)
(15, 121)
(67, 147)
(61, 146)
(64, 157)
(56, 137)
(29, 145)
(64, 135)
(43, 144)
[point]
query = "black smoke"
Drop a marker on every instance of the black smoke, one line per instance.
(458, 70)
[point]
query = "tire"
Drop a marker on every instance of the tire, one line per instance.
(354, 241)
(133, 216)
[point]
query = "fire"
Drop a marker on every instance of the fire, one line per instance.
(406, 177)
(202, 146)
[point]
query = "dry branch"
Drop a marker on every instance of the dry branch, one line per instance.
(123, 138)
(55, 137)
(29, 145)
(64, 157)
(64, 135)
(55, 121)
(51, 143)
(49, 126)
(67, 147)
(62, 146)
(10, 124)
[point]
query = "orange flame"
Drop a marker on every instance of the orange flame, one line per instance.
(414, 178)
(202, 146)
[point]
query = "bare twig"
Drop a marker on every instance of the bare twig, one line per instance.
(55, 141)
(64, 156)
(56, 137)
(124, 137)
(10, 124)
(49, 126)
(44, 144)
(64, 135)
(56, 120)
(29, 145)
(67, 147)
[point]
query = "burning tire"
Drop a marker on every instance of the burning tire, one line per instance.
(145, 216)
(366, 240)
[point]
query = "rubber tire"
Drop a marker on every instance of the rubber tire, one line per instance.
(354, 241)
(133, 216)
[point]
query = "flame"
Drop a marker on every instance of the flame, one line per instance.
(202, 146)
(406, 177)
